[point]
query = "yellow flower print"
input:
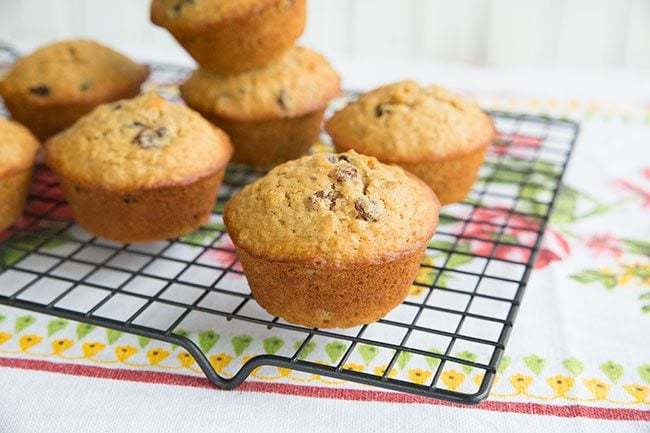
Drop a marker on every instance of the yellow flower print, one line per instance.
(520, 382)
(354, 367)
(416, 290)
(379, 371)
(284, 372)
(560, 384)
(419, 376)
(28, 341)
(220, 361)
(157, 355)
(61, 345)
(478, 379)
(452, 379)
(185, 359)
(426, 275)
(598, 388)
(639, 392)
(92, 348)
(4, 337)
(125, 352)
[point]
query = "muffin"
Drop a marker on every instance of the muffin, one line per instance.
(435, 134)
(51, 88)
(140, 170)
(232, 36)
(18, 149)
(332, 241)
(273, 114)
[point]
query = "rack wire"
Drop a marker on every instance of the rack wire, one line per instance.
(191, 292)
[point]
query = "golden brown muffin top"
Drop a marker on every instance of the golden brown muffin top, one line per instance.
(196, 15)
(18, 148)
(404, 122)
(333, 211)
(145, 142)
(301, 82)
(71, 72)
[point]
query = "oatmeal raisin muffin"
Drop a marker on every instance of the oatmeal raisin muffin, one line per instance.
(18, 149)
(232, 36)
(438, 136)
(54, 86)
(140, 170)
(332, 240)
(273, 114)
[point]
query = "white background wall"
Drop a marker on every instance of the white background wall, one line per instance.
(591, 34)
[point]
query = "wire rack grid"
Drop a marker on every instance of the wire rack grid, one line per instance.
(191, 291)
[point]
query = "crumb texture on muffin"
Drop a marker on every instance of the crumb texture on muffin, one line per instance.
(302, 81)
(146, 142)
(335, 210)
(405, 122)
(197, 14)
(18, 148)
(72, 72)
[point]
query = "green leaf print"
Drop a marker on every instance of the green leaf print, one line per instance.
(644, 372)
(272, 345)
(590, 276)
(206, 234)
(467, 356)
(535, 363)
(143, 341)
(18, 246)
(641, 248)
(2, 318)
(367, 352)
(432, 361)
(240, 343)
(306, 351)
(181, 333)
(612, 370)
(23, 322)
(207, 340)
(574, 366)
(645, 309)
(458, 260)
(55, 325)
(335, 350)
(565, 206)
(112, 335)
(504, 364)
(83, 329)
(403, 359)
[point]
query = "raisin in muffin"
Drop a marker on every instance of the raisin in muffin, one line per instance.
(232, 36)
(273, 114)
(332, 240)
(51, 88)
(140, 170)
(18, 149)
(435, 134)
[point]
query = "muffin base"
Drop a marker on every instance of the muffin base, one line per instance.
(246, 43)
(143, 215)
(325, 297)
(451, 179)
(13, 196)
(267, 143)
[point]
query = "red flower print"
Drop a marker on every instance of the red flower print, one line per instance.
(646, 172)
(225, 255)
(604, 244)
(554, 248)
(520, 232)
(509, 144)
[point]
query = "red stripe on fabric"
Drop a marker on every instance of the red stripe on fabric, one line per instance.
(568, 411)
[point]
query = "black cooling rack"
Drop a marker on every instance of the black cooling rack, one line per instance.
(191, 290)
